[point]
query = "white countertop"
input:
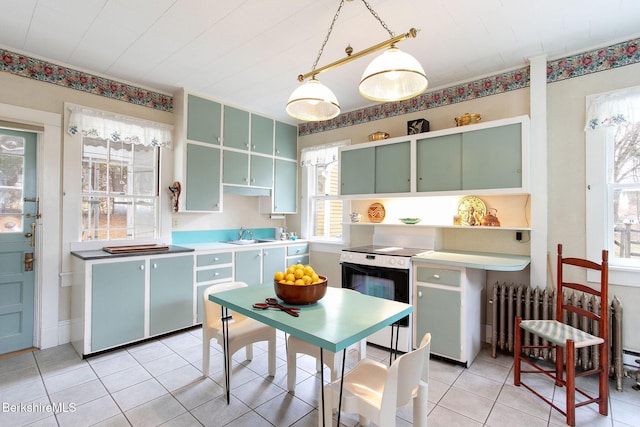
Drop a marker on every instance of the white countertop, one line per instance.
(215, 246)
(479, 260)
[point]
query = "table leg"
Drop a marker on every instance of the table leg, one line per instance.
(344, 359)
(224, 317)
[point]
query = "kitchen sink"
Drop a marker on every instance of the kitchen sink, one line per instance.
(250, 241)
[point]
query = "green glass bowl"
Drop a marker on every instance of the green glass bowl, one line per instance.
(410, 220)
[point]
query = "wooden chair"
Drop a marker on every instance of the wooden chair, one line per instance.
(243, 332)
(375, 391)
(562, 338)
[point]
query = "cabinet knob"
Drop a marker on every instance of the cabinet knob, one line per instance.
(216, 259)
(216, 273)
(141, 267)
(436, 276)
(253, 180)
(277, 151)
(266, 253)
(419, 294)
(155, 265)
(246, 144)
(253, 147)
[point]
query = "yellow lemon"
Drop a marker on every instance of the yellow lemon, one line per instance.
(308, 270)
(297, 266)
(289, 282)
(315, 278)
(298, 273)
(278, 276)
(299, 282)
(290, 277)
(291, 269)
(307, 279)
(282, 282)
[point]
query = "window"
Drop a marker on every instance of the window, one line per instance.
(323, 210)
(120, 178)
(613, 181)
(119, 190)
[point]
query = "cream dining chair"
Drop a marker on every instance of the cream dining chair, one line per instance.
(374, 391)
(243, 331)
(333, 361)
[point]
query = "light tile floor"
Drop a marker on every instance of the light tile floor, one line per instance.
(159, 382)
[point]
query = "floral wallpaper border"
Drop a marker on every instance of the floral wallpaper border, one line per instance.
(37, 69)
(614, 56)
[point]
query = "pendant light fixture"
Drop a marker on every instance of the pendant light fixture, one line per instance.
(392, 76)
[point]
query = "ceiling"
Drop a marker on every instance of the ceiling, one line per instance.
(249, 53)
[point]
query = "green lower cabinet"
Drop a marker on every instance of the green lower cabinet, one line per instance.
(438, 311)
(171, 294)
(117, 303)
(247, 268)
(273, 259)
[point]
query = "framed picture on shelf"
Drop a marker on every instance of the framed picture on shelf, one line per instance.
(417, 126)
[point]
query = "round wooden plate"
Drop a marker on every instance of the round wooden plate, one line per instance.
(376, 212)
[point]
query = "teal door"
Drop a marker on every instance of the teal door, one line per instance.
(18, 209)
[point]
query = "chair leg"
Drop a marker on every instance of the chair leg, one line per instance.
(517, 348)
(571, 384)
(271, 354)
(249, 351)
(603, 377)
(420, 406)
(559, 364)
(206, 342)
(291, 370)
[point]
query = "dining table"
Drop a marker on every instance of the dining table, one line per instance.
(341, 318)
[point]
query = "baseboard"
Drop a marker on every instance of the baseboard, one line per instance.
(64, 332)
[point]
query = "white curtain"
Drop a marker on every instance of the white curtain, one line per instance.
(613, 108)
(118, 128)
(321, 155)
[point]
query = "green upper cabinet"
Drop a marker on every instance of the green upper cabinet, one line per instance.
(286, 141)
(261, 135)
(393, 168)
(238, 171)
(284, 186)
(203, 120)
(439, 163)
(203, 184)
(261, 171)
(235, 168)
(236, 128)
(492, 158)
(358, 171)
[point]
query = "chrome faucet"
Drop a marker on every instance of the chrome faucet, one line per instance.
(242, 232)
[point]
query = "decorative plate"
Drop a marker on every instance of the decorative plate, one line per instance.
(376, 212)
(471, 210)
(410, 220)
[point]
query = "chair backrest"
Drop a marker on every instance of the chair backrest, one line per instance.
(405, 374)
(600, 314)
(212, 310)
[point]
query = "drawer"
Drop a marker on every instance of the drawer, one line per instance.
(439, 276)
(214, 274)
(304, 260)
(297, 249)
(214, 259)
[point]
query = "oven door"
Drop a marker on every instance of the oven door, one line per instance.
(382, 282)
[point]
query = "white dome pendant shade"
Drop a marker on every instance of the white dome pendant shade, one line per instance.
(393, 76)
(313, 102)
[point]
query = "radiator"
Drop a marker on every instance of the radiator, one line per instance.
(512, 300)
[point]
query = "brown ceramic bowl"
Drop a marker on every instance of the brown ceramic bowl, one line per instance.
(301, 294)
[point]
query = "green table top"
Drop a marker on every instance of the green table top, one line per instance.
(335, 322)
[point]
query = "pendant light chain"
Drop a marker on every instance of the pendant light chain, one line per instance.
(326, 39)
(375, 15)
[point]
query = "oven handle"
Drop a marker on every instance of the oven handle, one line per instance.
(364, 268)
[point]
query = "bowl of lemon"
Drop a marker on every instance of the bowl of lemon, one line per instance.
(299, 285)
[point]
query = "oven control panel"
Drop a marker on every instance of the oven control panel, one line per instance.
(378, 260)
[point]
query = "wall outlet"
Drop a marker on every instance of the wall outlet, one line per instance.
(519, 236)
